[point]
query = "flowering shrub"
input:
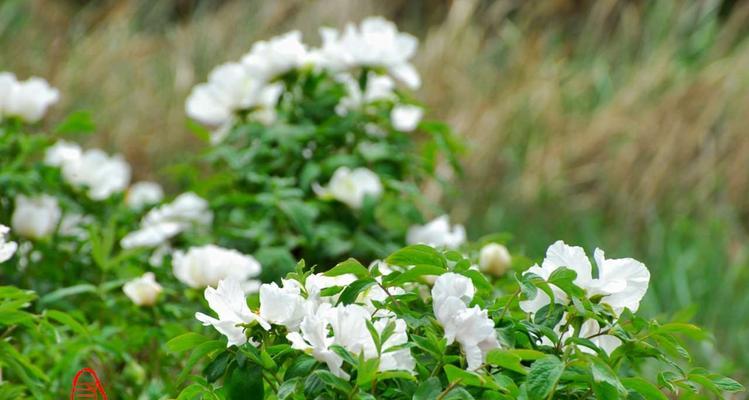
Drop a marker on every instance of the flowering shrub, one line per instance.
(385, 331)
(318, 153)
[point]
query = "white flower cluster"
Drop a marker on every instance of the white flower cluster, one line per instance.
(27, 99)
(207, 265)
(249, 84)
(313, 323)
(102, 175)
(7, 248)
(437, 233)
(469, 326)
(167, 221)
(622, 283)
(35, 217)
(351, 186)
(143, 291)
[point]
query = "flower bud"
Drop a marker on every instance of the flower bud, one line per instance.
(494, 259)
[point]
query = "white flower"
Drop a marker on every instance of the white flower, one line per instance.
(207, 265)
(228, 301)
(406, 117)
(375, 43)
(62, 153)
(282, 305)
(27, 100)
(351, 186)
(470, 327)
(313, 338)
(621, 282)
(164, 222)
(437, 233)
(93, 169)
(276, 56)
(494, 259)
(7, 249)
(142, 194)
(349, 325)
(378, 87)
(35, 217)
(143, 291)
(230, 88)
(74, 225)
(453, 285)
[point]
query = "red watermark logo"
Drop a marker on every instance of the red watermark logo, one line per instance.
(86, 385)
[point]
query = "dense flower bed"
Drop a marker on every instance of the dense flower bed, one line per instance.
(315, 155)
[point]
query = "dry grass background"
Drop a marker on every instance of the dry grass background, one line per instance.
(629, 114)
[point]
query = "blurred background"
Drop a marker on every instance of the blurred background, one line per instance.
(611, 123)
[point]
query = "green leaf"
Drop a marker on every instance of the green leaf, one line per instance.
(507, 360)
(549, 315)
(725, 384)
(68, 291)
(643, 388)
(199, 352)
(428, 389)
(690, 330)
(333, 381)
(245, 381)
(185, 342)
(543, 377)
(216, 368)
(413, 274)
(418, 254)
(604, 376)
(68, 321)
(288, 388)
(469, 378)
(79, 122)
(564, 279)
(352, 291)
(350, 266)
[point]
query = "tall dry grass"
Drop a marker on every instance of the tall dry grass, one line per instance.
(596, 102)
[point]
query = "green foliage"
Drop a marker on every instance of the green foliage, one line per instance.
(536, 359)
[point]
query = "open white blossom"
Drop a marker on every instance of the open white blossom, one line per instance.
(207, 265)
(270, 58)
(379, 87)
(142, 194)
(376, 42)
(143, 291)
(101, 174)
(494, 259)
(75, 225)
(27, 99)
(283, 305)
(437, 233)
(406, 117)
(228, 302)
(35, 217)
(231, 87)
(169, 220)
(621, 282)
(62, 153)
(314, 338)
(470, 327)
(7, 248)
(351, 186)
